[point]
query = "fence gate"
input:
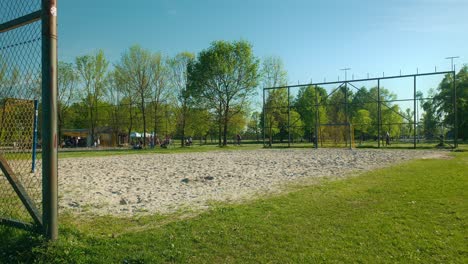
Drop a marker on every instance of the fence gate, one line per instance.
(28, 152)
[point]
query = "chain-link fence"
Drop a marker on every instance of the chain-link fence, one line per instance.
(394, 111)
(20, 90)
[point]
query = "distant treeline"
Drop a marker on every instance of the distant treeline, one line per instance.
(211, 94)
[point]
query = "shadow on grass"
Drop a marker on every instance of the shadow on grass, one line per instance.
(18, 246)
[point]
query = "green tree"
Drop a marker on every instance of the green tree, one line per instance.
(273, 73)
(126, 103)
(253, 125)
(92, 71)
(308, 105)
(179, 81)
(275, 114)
(444, 101)
(274, 117)
(161, 93)
(226, 75)
(296, 126)
(116, 113)
(408, 120)
(336, 115)
(67, 81)
(362, 121)
(392, 120)
(136, 68)
(198, 122)
(430, 119)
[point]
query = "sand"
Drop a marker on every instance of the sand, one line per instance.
(164, 183)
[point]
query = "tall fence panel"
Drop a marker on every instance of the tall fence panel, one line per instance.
(22, 82)
(392, 111)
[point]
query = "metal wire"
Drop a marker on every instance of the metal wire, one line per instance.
(340, 126)
(20, 85)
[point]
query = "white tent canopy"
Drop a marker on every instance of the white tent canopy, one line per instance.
(140, 135)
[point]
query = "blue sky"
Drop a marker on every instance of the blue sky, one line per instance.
(314, 38)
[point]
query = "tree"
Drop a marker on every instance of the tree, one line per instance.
(362, 121)
(273, 72)
(198, 122)
(305, 105)
(226, 74)
(274, 117)
(126, 103)
(392, 120)
(296, 129)
(92, 71)
(67, 80)
(430, 119)
(444, 101)
(136, 68)
(116, 113)
(336, 114)
(160, 92)
(253, 126)
(407, 127)
(179, 80)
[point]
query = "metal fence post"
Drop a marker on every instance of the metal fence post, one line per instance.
(455, 120)
(289, 120)
(379, 111)
(317, 117)
(264, 114)
(49, 119)
(414, 114)
(348, 121)
(34, 144)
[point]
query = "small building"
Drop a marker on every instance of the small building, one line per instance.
(107, 136)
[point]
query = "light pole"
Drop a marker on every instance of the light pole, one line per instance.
(451, 60)
(345, 73)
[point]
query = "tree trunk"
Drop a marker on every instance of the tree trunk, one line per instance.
(184, 113)
(91, 113)
(144, 119)
(155, 117)
(225, 130)
(130, 125)
(219, 133)
(60, 125)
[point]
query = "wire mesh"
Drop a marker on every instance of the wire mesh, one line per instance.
(12, 9)
(20, 85)
(380, 112)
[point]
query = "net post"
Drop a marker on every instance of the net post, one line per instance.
(317, 116)
(379, 112)
(414, 114)
(455, 117)
(263, 127)
(348, 121)
(289, 119)
(49, 117)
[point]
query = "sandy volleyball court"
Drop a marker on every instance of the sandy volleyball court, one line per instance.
(164, 183)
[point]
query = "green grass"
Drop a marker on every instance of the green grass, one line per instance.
(411, 213)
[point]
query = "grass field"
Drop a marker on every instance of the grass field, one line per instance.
(411, 213)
